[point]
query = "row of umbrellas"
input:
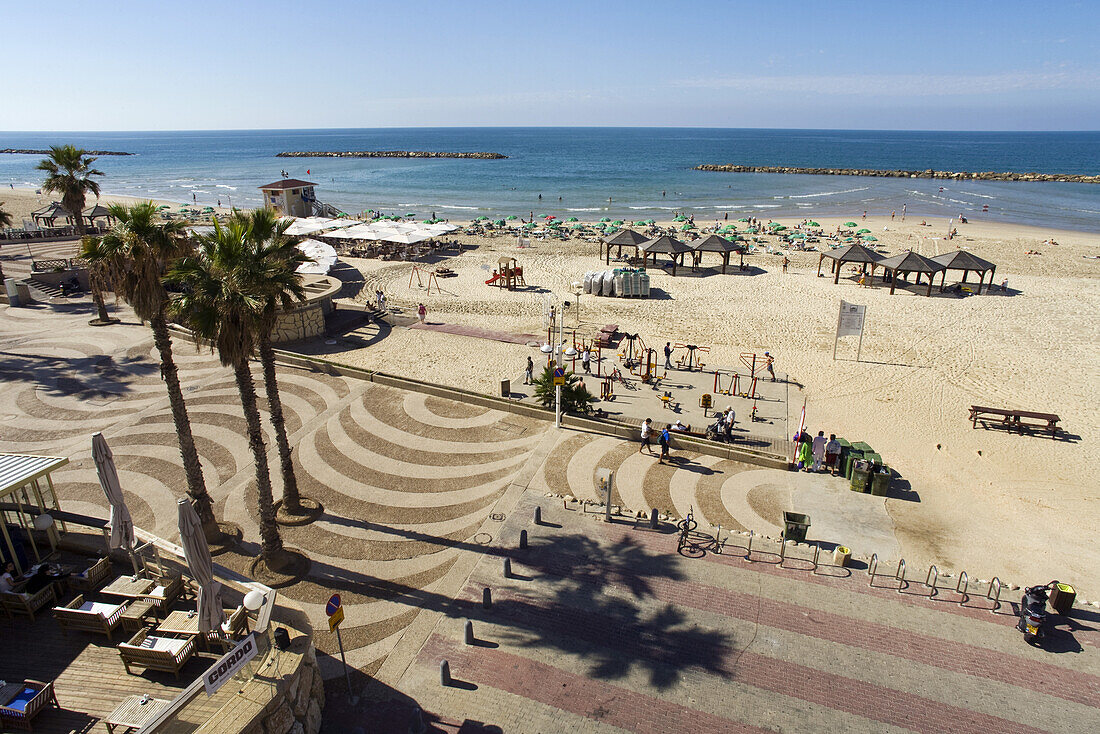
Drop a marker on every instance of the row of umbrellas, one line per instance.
(195, 550)
(380, 230)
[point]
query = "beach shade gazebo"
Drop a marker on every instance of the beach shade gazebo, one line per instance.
(48, 214)
(851, 254)
(967, 262)
(97, 211)
(911, 262)
(622, 238)
(664, 244)
(721, 245)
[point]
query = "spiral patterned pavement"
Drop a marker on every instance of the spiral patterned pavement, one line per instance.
(415, 488)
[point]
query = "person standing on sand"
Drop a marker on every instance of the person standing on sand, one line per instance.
(647, 435)
(864, 213)
(422, 312)
(786, 262)
(529, 373)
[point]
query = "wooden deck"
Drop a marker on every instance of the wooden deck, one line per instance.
(88, 674)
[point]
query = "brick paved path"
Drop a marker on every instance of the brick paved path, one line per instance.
(606, 628)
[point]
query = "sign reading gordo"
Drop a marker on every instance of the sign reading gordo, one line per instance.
(218, 673)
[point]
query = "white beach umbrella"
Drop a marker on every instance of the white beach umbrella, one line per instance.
(122, 526)
(406, 238)
(209, 603)
(322, 257)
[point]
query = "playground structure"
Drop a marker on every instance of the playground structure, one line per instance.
(507, 275)
(420, 274)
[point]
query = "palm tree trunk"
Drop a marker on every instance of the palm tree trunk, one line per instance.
(192, 467)
(97, 297)
(291, 500)
(270, 542)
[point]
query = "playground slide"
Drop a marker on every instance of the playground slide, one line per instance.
(495, 278)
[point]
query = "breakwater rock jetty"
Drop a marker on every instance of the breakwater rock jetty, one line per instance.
(928, 173)
(28, 151)
(387, 154)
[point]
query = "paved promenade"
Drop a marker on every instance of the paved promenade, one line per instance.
(604, 628)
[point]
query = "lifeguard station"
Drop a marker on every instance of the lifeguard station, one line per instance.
(507, 275)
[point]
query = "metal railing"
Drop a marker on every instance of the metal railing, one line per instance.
(996, 599)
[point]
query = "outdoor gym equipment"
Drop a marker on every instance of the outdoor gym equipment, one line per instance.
(607, 389)
(647, 370)
(690, 361)
(750, 360)
(735, 381)
(635, 347)
(418, 272)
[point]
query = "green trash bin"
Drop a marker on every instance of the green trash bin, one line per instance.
(861, 446)
(795, 525)
(880, 481)
(853, 456)
(873, 458)
(861, 476)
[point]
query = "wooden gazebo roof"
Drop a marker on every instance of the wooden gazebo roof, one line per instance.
(724, 247)
(668, 246)
(967, 262)
(910, 262)
(622, 238)
(850, 254)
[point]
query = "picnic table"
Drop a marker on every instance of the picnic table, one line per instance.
(129, 587)
(1014, 420)
(135, 712)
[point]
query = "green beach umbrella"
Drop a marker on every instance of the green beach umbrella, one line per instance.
(605, 219)
(812, 223)
(863, 231)
(870, 238)
(848, 239)
(780, 228)
(743, 219)
(651, 221)
(499, 222)
(481, 218)
(687, 226)
(639, 223)
(618, 223)
(530, 225)
(572, 219)
(680, 218)
(797, 236)
(510, 217)
(577, 225)
(850, 224)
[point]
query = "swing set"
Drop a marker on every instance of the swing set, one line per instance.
(419, 273)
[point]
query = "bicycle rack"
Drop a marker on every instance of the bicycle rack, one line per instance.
(933, 576)
(996, 599)
(782, 550)
(900, 575)
(872, 566)
(964, 583)
(817, 550)
(748, 553)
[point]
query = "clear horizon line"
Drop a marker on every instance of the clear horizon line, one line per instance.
(548, 127)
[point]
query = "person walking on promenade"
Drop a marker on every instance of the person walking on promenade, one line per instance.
(665, 440)
(647, 435)
(586, 360)
(529, 372)
(422, 312)
(832, 454)
(805, 453)
(769, 364)
(818, 449)
(668, 355)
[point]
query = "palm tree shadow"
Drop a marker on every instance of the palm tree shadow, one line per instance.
(94, 377)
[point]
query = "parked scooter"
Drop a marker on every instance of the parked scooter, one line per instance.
(1033, 612)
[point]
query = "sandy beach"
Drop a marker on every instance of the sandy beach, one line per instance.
(990, 502)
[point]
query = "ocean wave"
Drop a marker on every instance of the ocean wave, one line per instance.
(983, 196)
(455, 206)
(766, 206)
(826, 193)
(225, 186)
(594, 208)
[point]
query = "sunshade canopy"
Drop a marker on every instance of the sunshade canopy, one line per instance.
(911, 262)
(665, 244)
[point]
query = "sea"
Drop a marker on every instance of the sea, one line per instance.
(591, 173)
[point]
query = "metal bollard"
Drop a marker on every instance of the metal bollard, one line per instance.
(653, 520)
(417, 725)
(468, 631)
(444, 673)
(507, 568)
(538, 515)
(522, 539)
(486, 598)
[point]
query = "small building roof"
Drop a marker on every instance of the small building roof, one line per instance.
(853, 254)
(287, 183)
(963, 260)
(17, 470)
(911, 262)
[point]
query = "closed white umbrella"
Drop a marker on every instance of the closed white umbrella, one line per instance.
(122, 526)
(209, 603)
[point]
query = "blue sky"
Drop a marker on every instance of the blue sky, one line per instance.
(336, 63)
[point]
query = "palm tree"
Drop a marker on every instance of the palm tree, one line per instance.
(280, 285)
(69, 173)
(219, 304)
(575, 397)
(5, 221)
(136, 253)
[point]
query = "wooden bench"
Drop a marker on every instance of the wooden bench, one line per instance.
(1014, 420)
(89, 616)
(91, 578)
(167, 654)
